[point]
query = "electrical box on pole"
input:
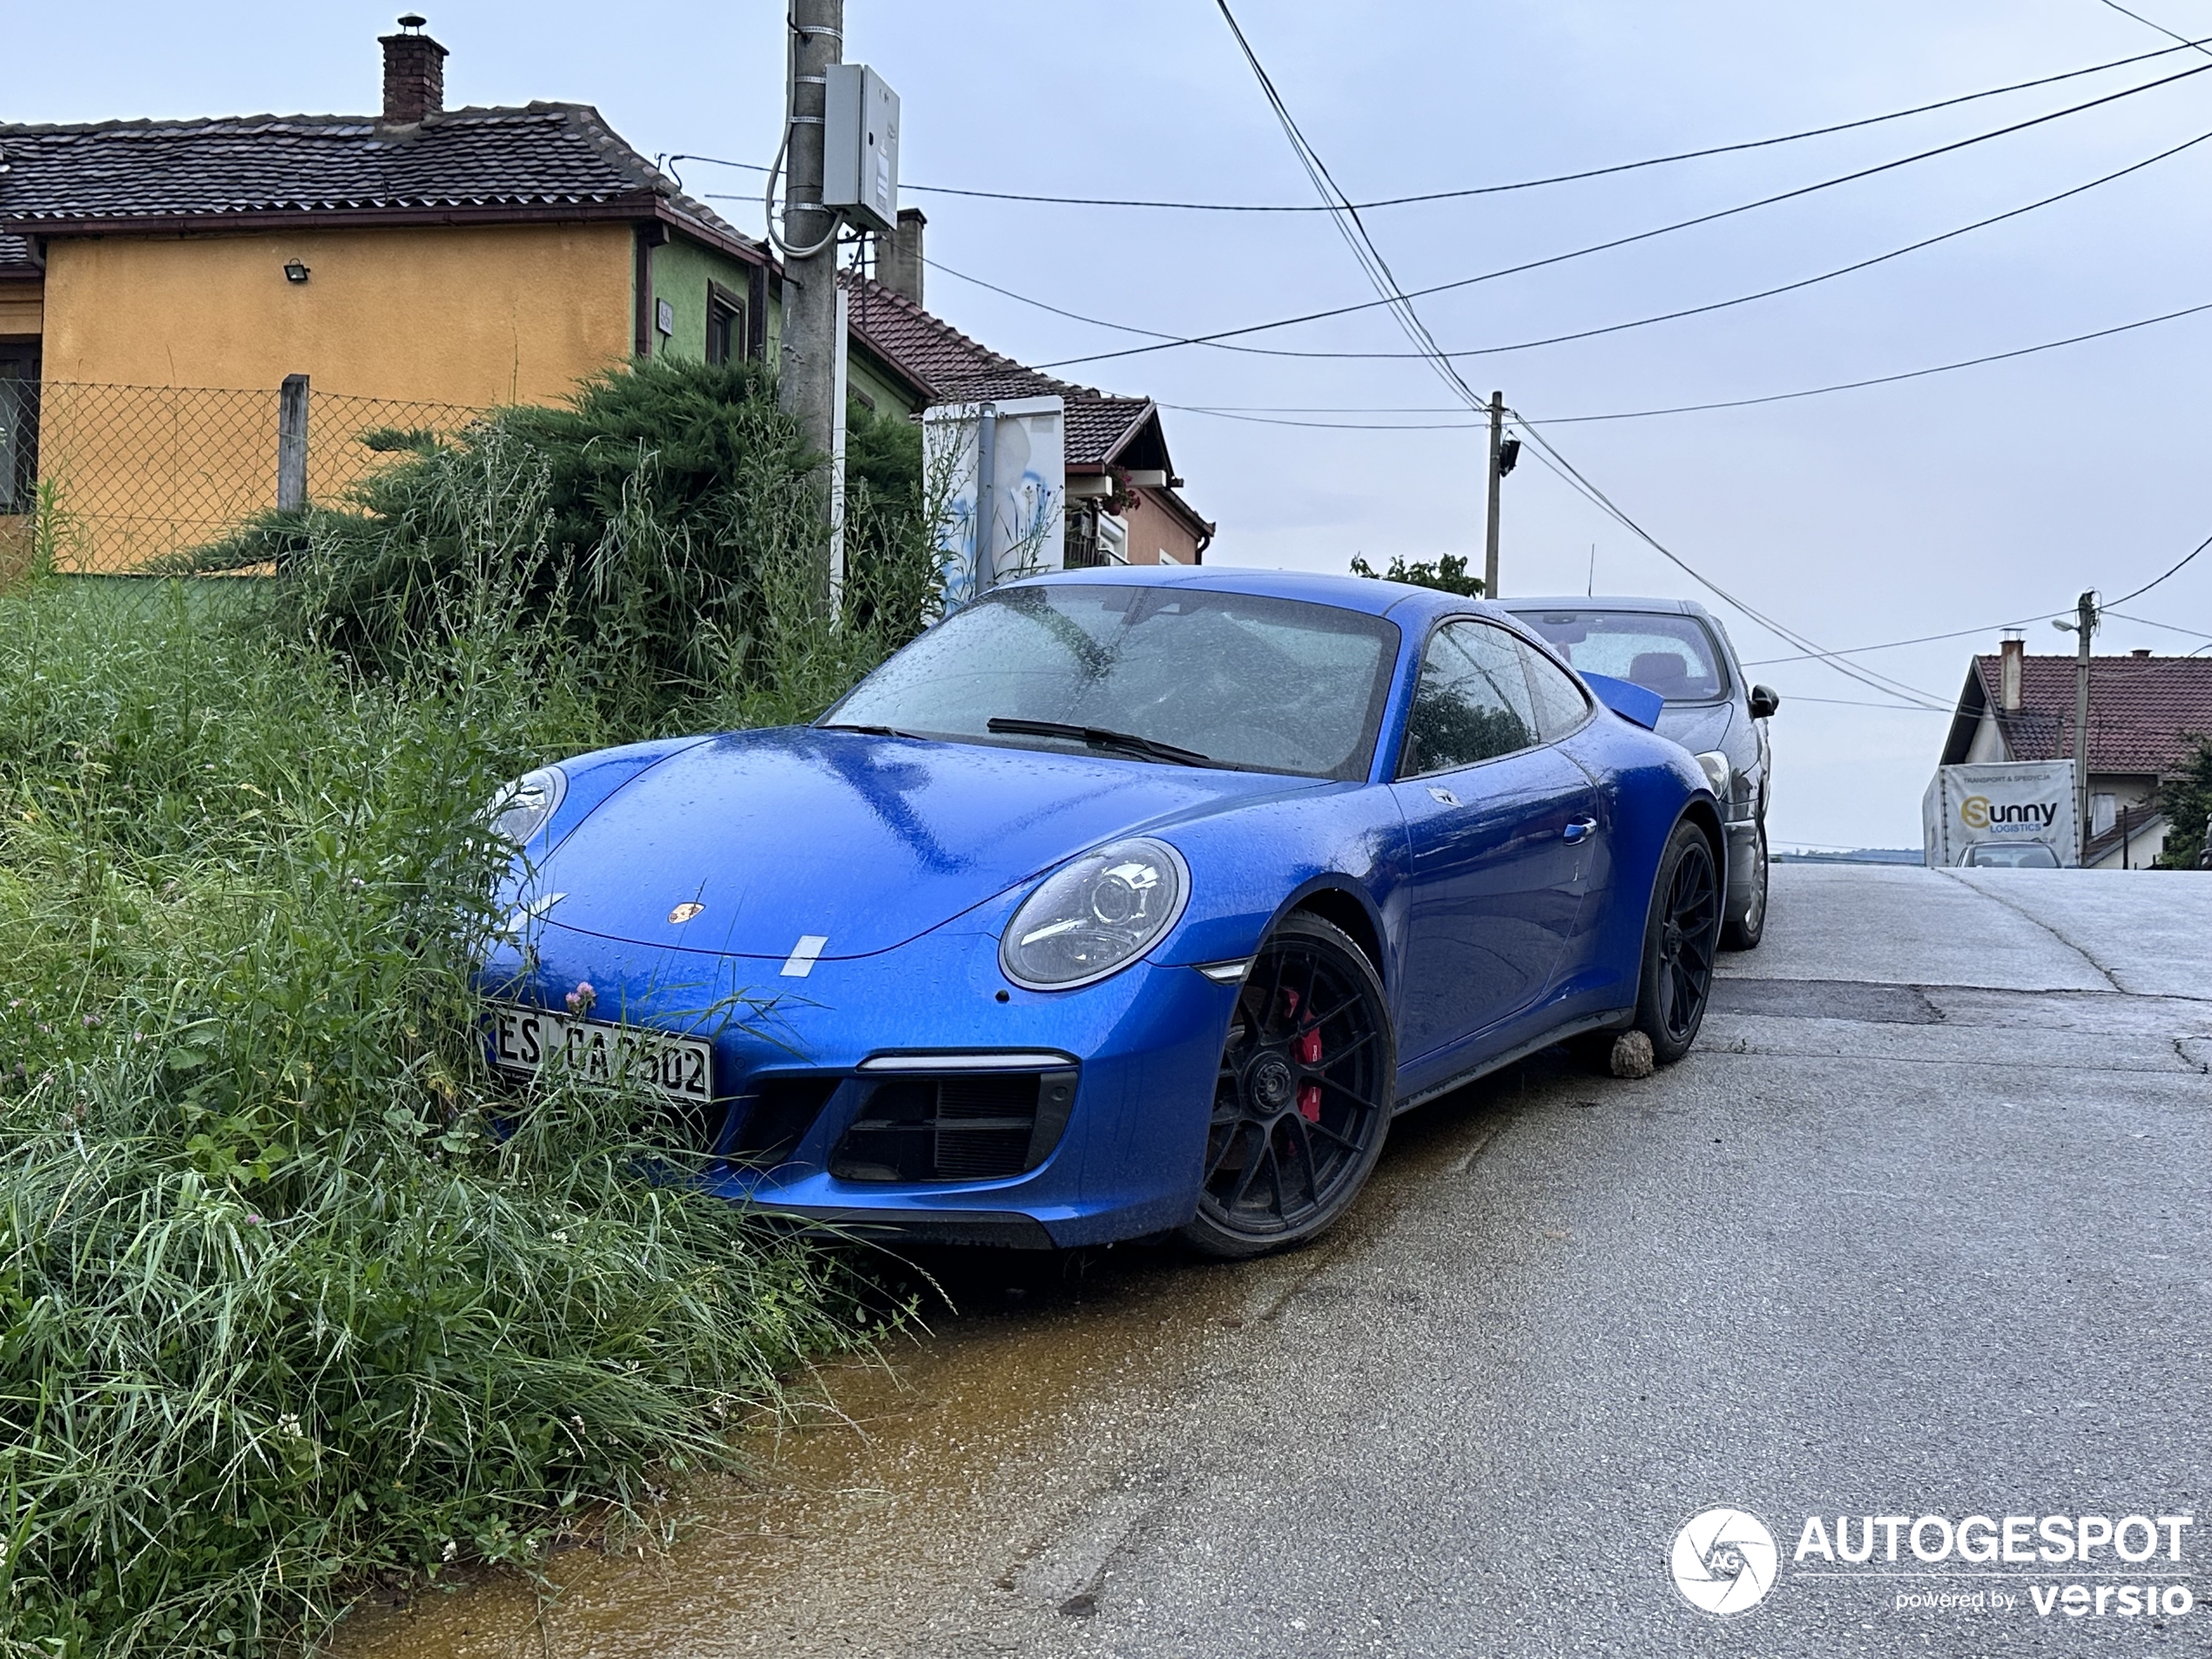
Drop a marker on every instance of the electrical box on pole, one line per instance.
(861, 148)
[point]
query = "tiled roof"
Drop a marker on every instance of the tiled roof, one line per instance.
(15, 252)
(954, 368)
(2143, 710)
(540, 161)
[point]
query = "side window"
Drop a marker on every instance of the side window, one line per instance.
(18, 426)
(1473, 703)
(726, 340)
(1561, 705)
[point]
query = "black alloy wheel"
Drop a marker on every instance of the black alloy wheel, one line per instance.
(1681, 939)
(1303, 1095)
(1748, 926)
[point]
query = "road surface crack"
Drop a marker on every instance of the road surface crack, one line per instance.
(2103, 972)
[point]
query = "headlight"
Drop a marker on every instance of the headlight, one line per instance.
(1716, 772)
(1095, 916)
(525, 807)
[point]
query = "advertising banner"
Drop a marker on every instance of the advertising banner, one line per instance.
(2000, 803)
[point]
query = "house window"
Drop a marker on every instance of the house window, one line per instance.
(727, 338)
(19, 428)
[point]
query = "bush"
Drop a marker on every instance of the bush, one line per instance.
(291, 1291)
(663, 527)
(2186, 799)
(1448, 574)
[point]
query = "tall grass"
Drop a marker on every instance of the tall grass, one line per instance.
(292, 1292)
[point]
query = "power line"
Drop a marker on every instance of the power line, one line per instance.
(1897, 644)
(1348, 222)
(2156, 580)
(1607, 329)
(1329, 426)
(2194, 633)
(1769, 293)
(1558, 464)
(1882, 379)
(1057, 311)
(1995, 627)
(1549, 454)
(1638, 236)
(1524, 184)
(1860, 703)
(1254, 416)
(2187, 44)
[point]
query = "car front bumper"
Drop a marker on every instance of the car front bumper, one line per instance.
(1143, 1047)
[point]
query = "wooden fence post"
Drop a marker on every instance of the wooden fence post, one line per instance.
(292, 444)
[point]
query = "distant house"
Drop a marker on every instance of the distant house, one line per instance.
(1124, 505)
(160, 279)
(2144, 711)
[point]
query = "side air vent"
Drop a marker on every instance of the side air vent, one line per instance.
(962, 1126)
(775, 1115)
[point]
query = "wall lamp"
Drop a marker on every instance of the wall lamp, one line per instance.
(295, 271)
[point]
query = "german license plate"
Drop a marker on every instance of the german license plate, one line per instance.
(528, 1040)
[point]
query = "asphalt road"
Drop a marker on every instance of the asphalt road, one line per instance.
(1920, 1229)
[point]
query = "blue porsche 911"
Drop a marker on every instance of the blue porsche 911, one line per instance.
(1118, 903)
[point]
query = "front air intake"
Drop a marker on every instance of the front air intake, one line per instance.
(775, 1115)
(961, 1126)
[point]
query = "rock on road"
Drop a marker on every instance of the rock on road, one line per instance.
(1920, 1227)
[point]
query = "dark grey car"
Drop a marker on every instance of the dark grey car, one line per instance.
(1678, 649)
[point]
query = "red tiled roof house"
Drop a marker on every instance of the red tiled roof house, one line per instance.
(2144, 713)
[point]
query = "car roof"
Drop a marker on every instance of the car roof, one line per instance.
(1632, 604)
(1377, 596)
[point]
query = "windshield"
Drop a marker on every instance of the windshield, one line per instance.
(1246, 683)
(1666, 652)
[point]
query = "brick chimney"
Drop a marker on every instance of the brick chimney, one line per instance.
(415, 74)
(897, 256)
(2009, 667)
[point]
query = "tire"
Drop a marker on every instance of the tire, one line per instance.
(1680, 935)
(1301, 1103)
(1747, 926)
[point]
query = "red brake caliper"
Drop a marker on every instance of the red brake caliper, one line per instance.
(1308, 1048)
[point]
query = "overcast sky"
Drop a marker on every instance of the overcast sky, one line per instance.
(1954, 502)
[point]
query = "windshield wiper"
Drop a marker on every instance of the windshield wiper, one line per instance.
(1097, 737)
(866, 730)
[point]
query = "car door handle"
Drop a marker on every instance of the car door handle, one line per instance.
(1578, 829)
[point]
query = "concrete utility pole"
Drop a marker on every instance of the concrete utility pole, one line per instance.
(807, 369)
(1490, 537)
(2085, 624)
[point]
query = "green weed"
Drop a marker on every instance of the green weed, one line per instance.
(279, 1310)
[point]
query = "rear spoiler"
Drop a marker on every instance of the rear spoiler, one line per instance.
(1628, 699)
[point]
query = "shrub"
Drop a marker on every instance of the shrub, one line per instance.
(1448, 574)
(2186, 799)
(662, 526)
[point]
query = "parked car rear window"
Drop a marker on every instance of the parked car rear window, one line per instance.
(2023, 855)
(1253, 684)
(1669, 653)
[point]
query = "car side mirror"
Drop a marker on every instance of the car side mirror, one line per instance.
(1764, 700)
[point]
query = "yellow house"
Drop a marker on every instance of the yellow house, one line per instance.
(160, 281)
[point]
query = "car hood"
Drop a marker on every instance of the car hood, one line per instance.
(1697, 726)
(861, 841)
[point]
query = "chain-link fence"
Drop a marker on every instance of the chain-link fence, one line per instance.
(135, 473)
